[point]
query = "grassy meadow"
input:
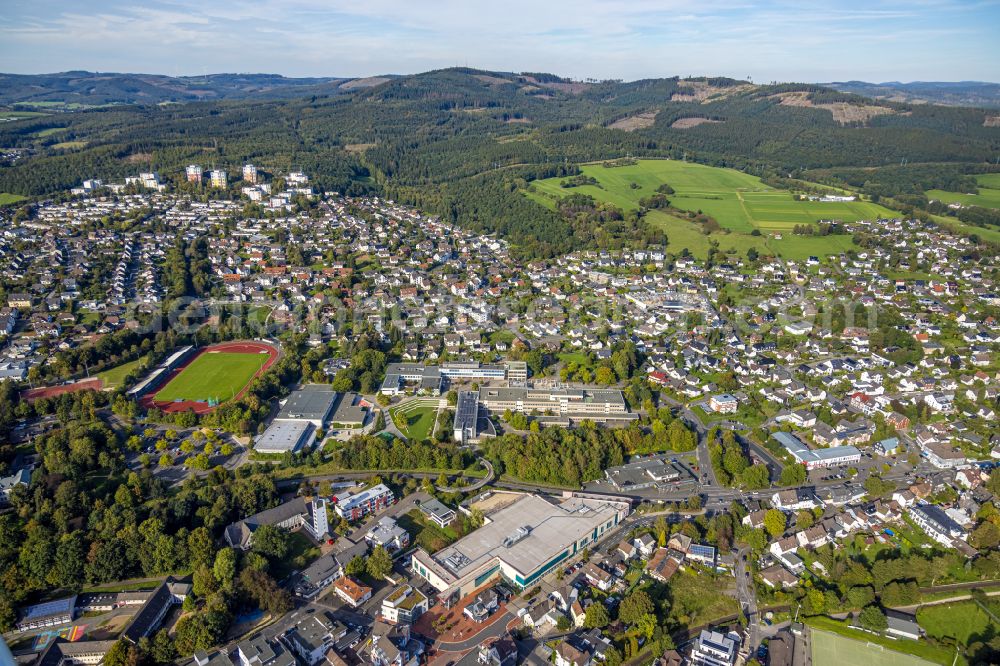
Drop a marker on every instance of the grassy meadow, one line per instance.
(740, 202)
(988, 197)
(6, 198)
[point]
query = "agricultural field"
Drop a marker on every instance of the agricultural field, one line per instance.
(832, 650)
(988, 197)
(740, 203)
(6, 116)
(415, 419)
(212, 375)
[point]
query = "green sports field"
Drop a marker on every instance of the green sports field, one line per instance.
(964, 621)
(833, 650)
(988, 197)
(213, 375)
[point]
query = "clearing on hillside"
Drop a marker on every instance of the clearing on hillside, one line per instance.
(691, 121)
(843, 112)
(636, 122)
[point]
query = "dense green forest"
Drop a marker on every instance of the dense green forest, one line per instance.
(462, 143)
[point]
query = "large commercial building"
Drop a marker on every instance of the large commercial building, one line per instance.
(312, 402)
(47, 614)
(817, 458)
(282, 436)
(520, 543)
(466, 417)
(431, 378)
(423, 378)
(643, 473)
(593, 404)
(306, 410)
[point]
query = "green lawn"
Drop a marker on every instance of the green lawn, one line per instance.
(961, 620)
(301, 551)
(830, 649)
(426, 534)
(699, 598)
(218, 375)
(415, 420)
(6, 198)
(581, 359)
(143, 585)
(988, 197)
(113, 377)
(840, 652)
(739, 201)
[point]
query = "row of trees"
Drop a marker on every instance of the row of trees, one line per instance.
(733, 466)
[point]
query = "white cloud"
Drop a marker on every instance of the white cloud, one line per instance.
(780, 39)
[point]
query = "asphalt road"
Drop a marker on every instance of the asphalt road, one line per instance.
(747, 596)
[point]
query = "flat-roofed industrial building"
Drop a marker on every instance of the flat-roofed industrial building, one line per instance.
(593, 404)
(519, 543)
(466, 417)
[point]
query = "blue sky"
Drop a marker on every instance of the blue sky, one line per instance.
(778, 40)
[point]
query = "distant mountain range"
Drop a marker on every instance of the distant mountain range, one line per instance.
(78, 89)
(75, 89)
(464, 143)
(980, 94)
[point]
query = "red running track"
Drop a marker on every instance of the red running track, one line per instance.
(247, 347)
(52, 391)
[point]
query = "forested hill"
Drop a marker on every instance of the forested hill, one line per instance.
(463, 143)
(956, 93)
(86, 89)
